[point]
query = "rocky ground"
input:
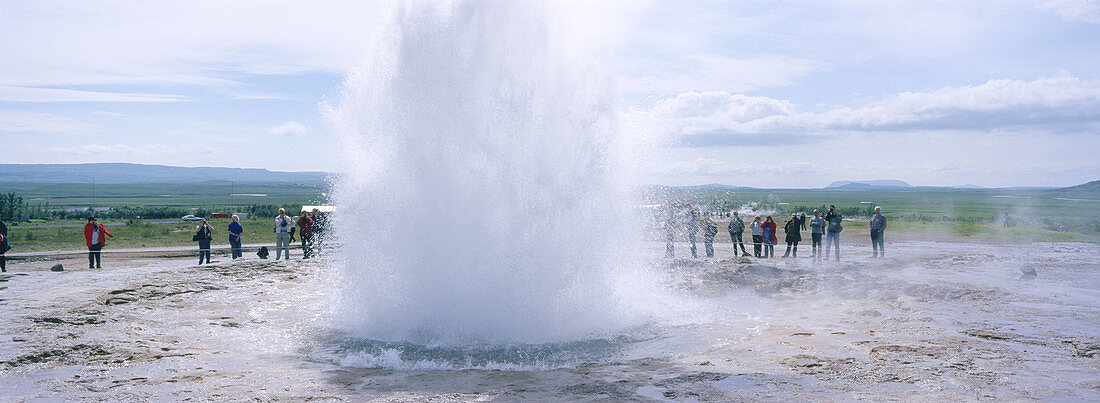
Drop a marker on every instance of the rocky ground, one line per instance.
(934, 321)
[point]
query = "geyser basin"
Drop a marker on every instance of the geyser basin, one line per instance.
(484, 181)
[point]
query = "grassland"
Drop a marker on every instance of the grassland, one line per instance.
(202, 195)
(48, 236)
(958, 213)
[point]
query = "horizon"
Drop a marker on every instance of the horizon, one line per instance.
(825, 186)
(765, 95)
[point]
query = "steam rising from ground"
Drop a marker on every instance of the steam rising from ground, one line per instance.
(483, 176)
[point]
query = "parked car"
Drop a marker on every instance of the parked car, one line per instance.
(190, 217)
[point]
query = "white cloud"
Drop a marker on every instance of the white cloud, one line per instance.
(1080, 10)
(33, 94)
(32, 122)
(722, 119)
(289, 129)
(55, 43)
(714, 167)
(696, 72)
(142, 150)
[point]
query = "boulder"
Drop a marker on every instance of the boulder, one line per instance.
(57, 267)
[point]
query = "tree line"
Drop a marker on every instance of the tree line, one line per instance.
(14, 208)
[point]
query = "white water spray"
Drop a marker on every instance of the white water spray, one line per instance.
(485, 200)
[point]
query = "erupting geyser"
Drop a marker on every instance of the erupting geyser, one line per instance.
(484, 199)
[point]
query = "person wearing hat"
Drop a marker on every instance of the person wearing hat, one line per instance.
(95, 236)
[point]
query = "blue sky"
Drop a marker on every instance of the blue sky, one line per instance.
(770, 94)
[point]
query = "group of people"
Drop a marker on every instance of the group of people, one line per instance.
(307, 226)
(764, 234)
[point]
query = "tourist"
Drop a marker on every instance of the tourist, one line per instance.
(736, 227)
(757, 231)
(832, 231)
(802, 220)
(769, 237)
(95, 236)
(793, 229)
(708, 236)
(284, 234)
(878, 225)
(305, 232)
(693, 230)
(4, 246)
(817, 227)
(203, 234)
(1006, 222)
(235, 231)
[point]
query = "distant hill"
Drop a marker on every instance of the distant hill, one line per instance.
(867, 185)
(1091, 186)
(137, 173)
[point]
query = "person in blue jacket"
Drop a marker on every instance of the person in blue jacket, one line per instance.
(235, 231)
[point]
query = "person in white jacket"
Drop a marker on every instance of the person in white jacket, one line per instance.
(757, 236)
(284, 234)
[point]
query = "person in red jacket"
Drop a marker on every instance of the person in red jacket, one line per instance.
(305, 232)
(95, 235)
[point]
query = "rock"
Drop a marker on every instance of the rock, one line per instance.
(1028, 271)
(57, 267)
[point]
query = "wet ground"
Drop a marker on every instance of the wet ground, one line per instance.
(933, 321)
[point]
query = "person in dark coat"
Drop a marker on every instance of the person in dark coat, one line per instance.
(832, 231)
(793, 229)
(305, 233)
(709, 232)
(203, 234)
(4, 246)
(736, 227)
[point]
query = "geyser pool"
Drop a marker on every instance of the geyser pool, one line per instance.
(485, 200)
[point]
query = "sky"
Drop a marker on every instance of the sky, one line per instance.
(747, 93)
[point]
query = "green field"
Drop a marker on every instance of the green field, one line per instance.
(967, 213)
(44, 236)
(203, 195)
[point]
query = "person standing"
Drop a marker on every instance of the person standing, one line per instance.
(878, 225)
(736, 227)
(709, 232)
(235, 232)
(757, 231)
(305, 233)
(1006, 221)
(769, 237)
(793, 229)
(284, 234)
(693, 230)
(802, 220)
(832, 231)
(95, 236)
(203, 234)
(4, 246)
(817, 227)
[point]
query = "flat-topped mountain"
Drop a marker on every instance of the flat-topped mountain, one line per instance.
(875, 184)
(120, 173)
